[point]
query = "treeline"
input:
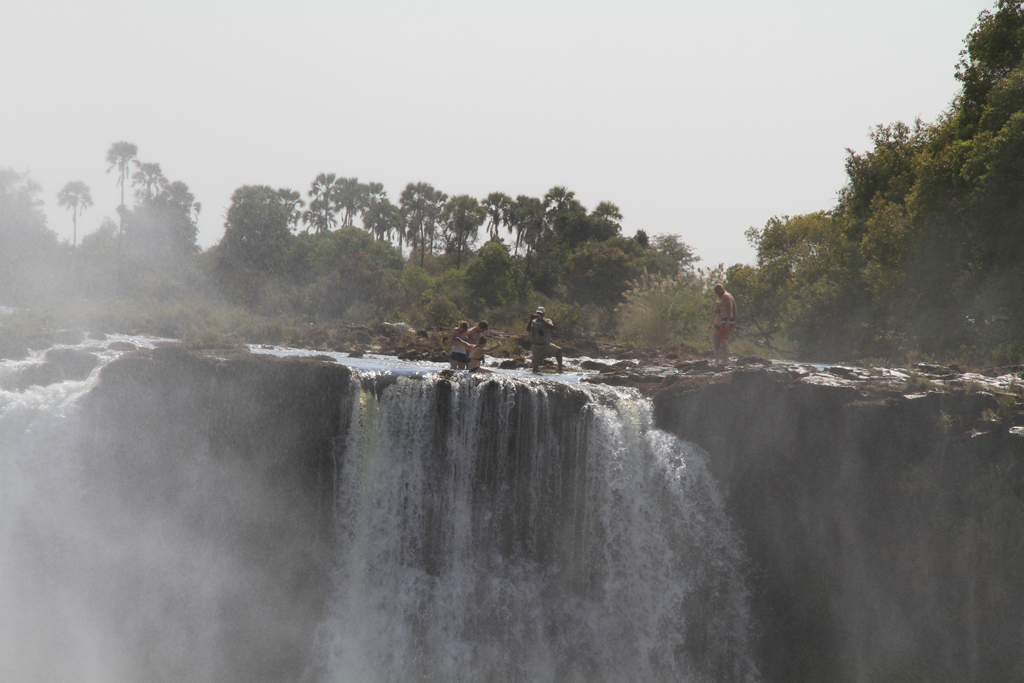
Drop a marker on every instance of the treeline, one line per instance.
(923, 255)
(343, 251)
(557, 253)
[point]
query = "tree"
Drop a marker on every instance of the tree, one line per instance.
(349, 197)
(292, 203)
(530, 220)
(256, 233)
(119, 156)
(381, 218)
(681, 253)
(993, 48)
(160, 231)
(30, 261)
(492, 276)
(463, 216)
(148, 178)
(598, 275)
(421, 206)
(323, 205)
(75, 197)
(498, 206)
(604, 222)
(566, 216)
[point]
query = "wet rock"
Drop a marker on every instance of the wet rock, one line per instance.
(510, 364)
(121, 346)
(69, 337)
(59, 365)
(587, 347)
(974, 404)
(931, 368)
(171, 330)
(987, 424)
(394, 330)
(13, 350)
(594, 365)
(702, 365)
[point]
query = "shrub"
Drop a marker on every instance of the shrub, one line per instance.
(662, 310)
(441, 312)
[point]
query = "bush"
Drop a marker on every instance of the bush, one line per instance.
(441, 312)
(664, 310)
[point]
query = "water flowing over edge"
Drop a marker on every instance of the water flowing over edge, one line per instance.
(535, 533)
(529, 533)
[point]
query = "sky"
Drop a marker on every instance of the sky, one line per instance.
(696, 118)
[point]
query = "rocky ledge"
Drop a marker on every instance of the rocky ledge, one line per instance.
(971, 403)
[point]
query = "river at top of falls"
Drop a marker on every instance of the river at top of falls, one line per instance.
(497, 528)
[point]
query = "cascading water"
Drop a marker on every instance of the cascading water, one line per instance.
(42, 636)
(529, 532)
(486, 529)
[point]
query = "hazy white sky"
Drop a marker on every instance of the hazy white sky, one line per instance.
(696, 117)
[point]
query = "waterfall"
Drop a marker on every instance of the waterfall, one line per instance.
(43, 635)
(483, 529)
(502, 531)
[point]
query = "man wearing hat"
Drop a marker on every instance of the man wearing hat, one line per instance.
(540, 328)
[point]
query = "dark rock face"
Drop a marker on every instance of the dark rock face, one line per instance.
(884, 529)
(220, 469)
(885, 533)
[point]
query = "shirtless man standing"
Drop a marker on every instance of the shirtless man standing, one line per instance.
(474, 333)
(724, 321)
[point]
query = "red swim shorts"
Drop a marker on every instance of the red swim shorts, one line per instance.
(725, 330)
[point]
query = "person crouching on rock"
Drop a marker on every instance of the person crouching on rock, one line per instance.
(476, 356)
(541, 347)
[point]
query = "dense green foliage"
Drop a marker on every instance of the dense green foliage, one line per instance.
(924, 252)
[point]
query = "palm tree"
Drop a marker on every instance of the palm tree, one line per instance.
(607, 211)
(421, 206)
(383, 218)
(463, 216)
(436, 201)
(371, 195)
(348, 197)
(604, 221)
(75, 196)
(531, 225)
(566, 216)
(292, 202)
(497, 205)
(558, 199)
(323, 204)
(150, 177)
(119, 156)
